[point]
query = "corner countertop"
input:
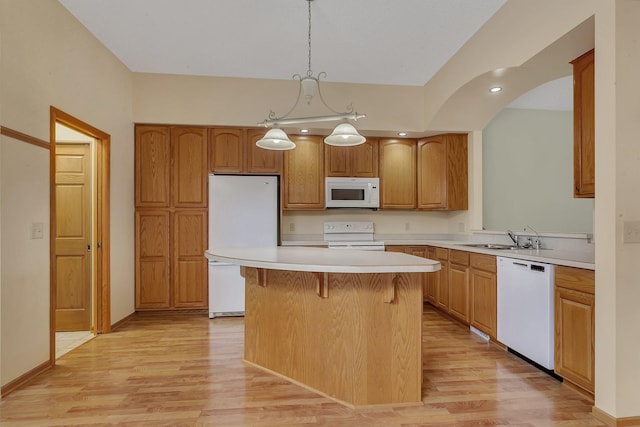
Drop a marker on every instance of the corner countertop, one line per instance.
(567, 258)
(323, 260)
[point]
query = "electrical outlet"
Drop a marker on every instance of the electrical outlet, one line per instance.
(292, 226)
(631, 232)
(407, 226)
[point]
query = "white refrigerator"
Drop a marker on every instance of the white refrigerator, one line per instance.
(243, 212)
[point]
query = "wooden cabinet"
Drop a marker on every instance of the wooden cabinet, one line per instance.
(441, 279)
(360, 161)
(584, 125)
(575, 327)
(431, 285)
(152, 166)
(189, 265)
(397, 173)
(420, 251)
(483, 294)
(459, 285)
(442, 172)
(303, 186)
(171, 217)
(152, 259)
(234, 151)
(189, 167)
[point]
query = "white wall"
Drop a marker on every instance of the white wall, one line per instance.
(48, 58)
(528, 173)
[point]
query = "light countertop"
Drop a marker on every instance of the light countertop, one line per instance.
(323, 260)
(567, 258)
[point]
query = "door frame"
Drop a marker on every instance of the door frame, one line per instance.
(102, 285)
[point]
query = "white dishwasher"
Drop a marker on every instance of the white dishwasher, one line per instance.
(525, 308)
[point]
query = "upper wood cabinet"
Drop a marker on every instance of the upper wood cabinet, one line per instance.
(189, 160)
(443, 172)
(303, 183)
(234, 151)
(152, 166)
(584, 177)
(360, 161)
(397, 173)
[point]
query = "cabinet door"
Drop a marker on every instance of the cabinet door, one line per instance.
(484, 301)
(431, 279)
(432, 184)
(443, 172)
(189, 264)
(575, 337)
(337, 160)
(225, 152)
(189, 177)
(152, 259)
(459, 285)
(364, 159)
(584, 125)
(259, 160)
(304, 174)
(442, 285)
(397, 173)
(153, 162)
(420, 251)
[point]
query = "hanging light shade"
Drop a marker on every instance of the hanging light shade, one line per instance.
(276, 139)
(345, 135)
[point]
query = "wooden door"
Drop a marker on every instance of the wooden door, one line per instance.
(432, 184)
(484, 301)
(73, 237)
(153, 166)
(189, 264)
(189, 167)
(259, 160)
(225, 152)
(337, 160)
(459, 285)
(583, 125)
(364, 159)
(397, 174)
(304, 175)
(152, 259)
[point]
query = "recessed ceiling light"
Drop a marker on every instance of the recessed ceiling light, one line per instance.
(495, 89)
(304, 130)
(402, 134)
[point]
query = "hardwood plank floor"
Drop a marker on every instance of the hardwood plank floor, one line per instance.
(187, 370)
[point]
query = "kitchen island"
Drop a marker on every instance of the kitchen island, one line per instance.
(344, 323)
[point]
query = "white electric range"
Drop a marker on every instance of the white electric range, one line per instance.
(351, 235)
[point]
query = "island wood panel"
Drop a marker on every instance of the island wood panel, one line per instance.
(351, 346)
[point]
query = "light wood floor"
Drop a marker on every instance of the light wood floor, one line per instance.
(187, 370)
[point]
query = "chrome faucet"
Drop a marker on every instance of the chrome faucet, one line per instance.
(537, 244)
(513, 237)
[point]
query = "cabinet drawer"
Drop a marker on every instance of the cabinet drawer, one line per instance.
(442, 253)
(459, 257)
(577, 279)
(484, 262)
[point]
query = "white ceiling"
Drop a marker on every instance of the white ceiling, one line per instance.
(401, 42)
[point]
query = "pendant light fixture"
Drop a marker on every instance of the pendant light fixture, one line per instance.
(344, 134)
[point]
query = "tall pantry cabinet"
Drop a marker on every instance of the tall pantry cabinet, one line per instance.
(171, 217)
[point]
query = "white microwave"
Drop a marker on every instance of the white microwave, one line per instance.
(352, 193)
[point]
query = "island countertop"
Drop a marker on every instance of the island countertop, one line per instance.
(323, 260)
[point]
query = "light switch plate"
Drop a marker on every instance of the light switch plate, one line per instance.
(631, 232)
(37, 230)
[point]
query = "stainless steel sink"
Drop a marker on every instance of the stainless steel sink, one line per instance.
(490, 246)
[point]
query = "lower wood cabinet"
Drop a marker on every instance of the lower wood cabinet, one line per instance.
(171, 270)
(575, 326)
(441, 284)
(459, 285)
(420, 251)
(484, 296)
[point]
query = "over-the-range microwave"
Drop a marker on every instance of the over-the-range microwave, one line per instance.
(352, 193)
